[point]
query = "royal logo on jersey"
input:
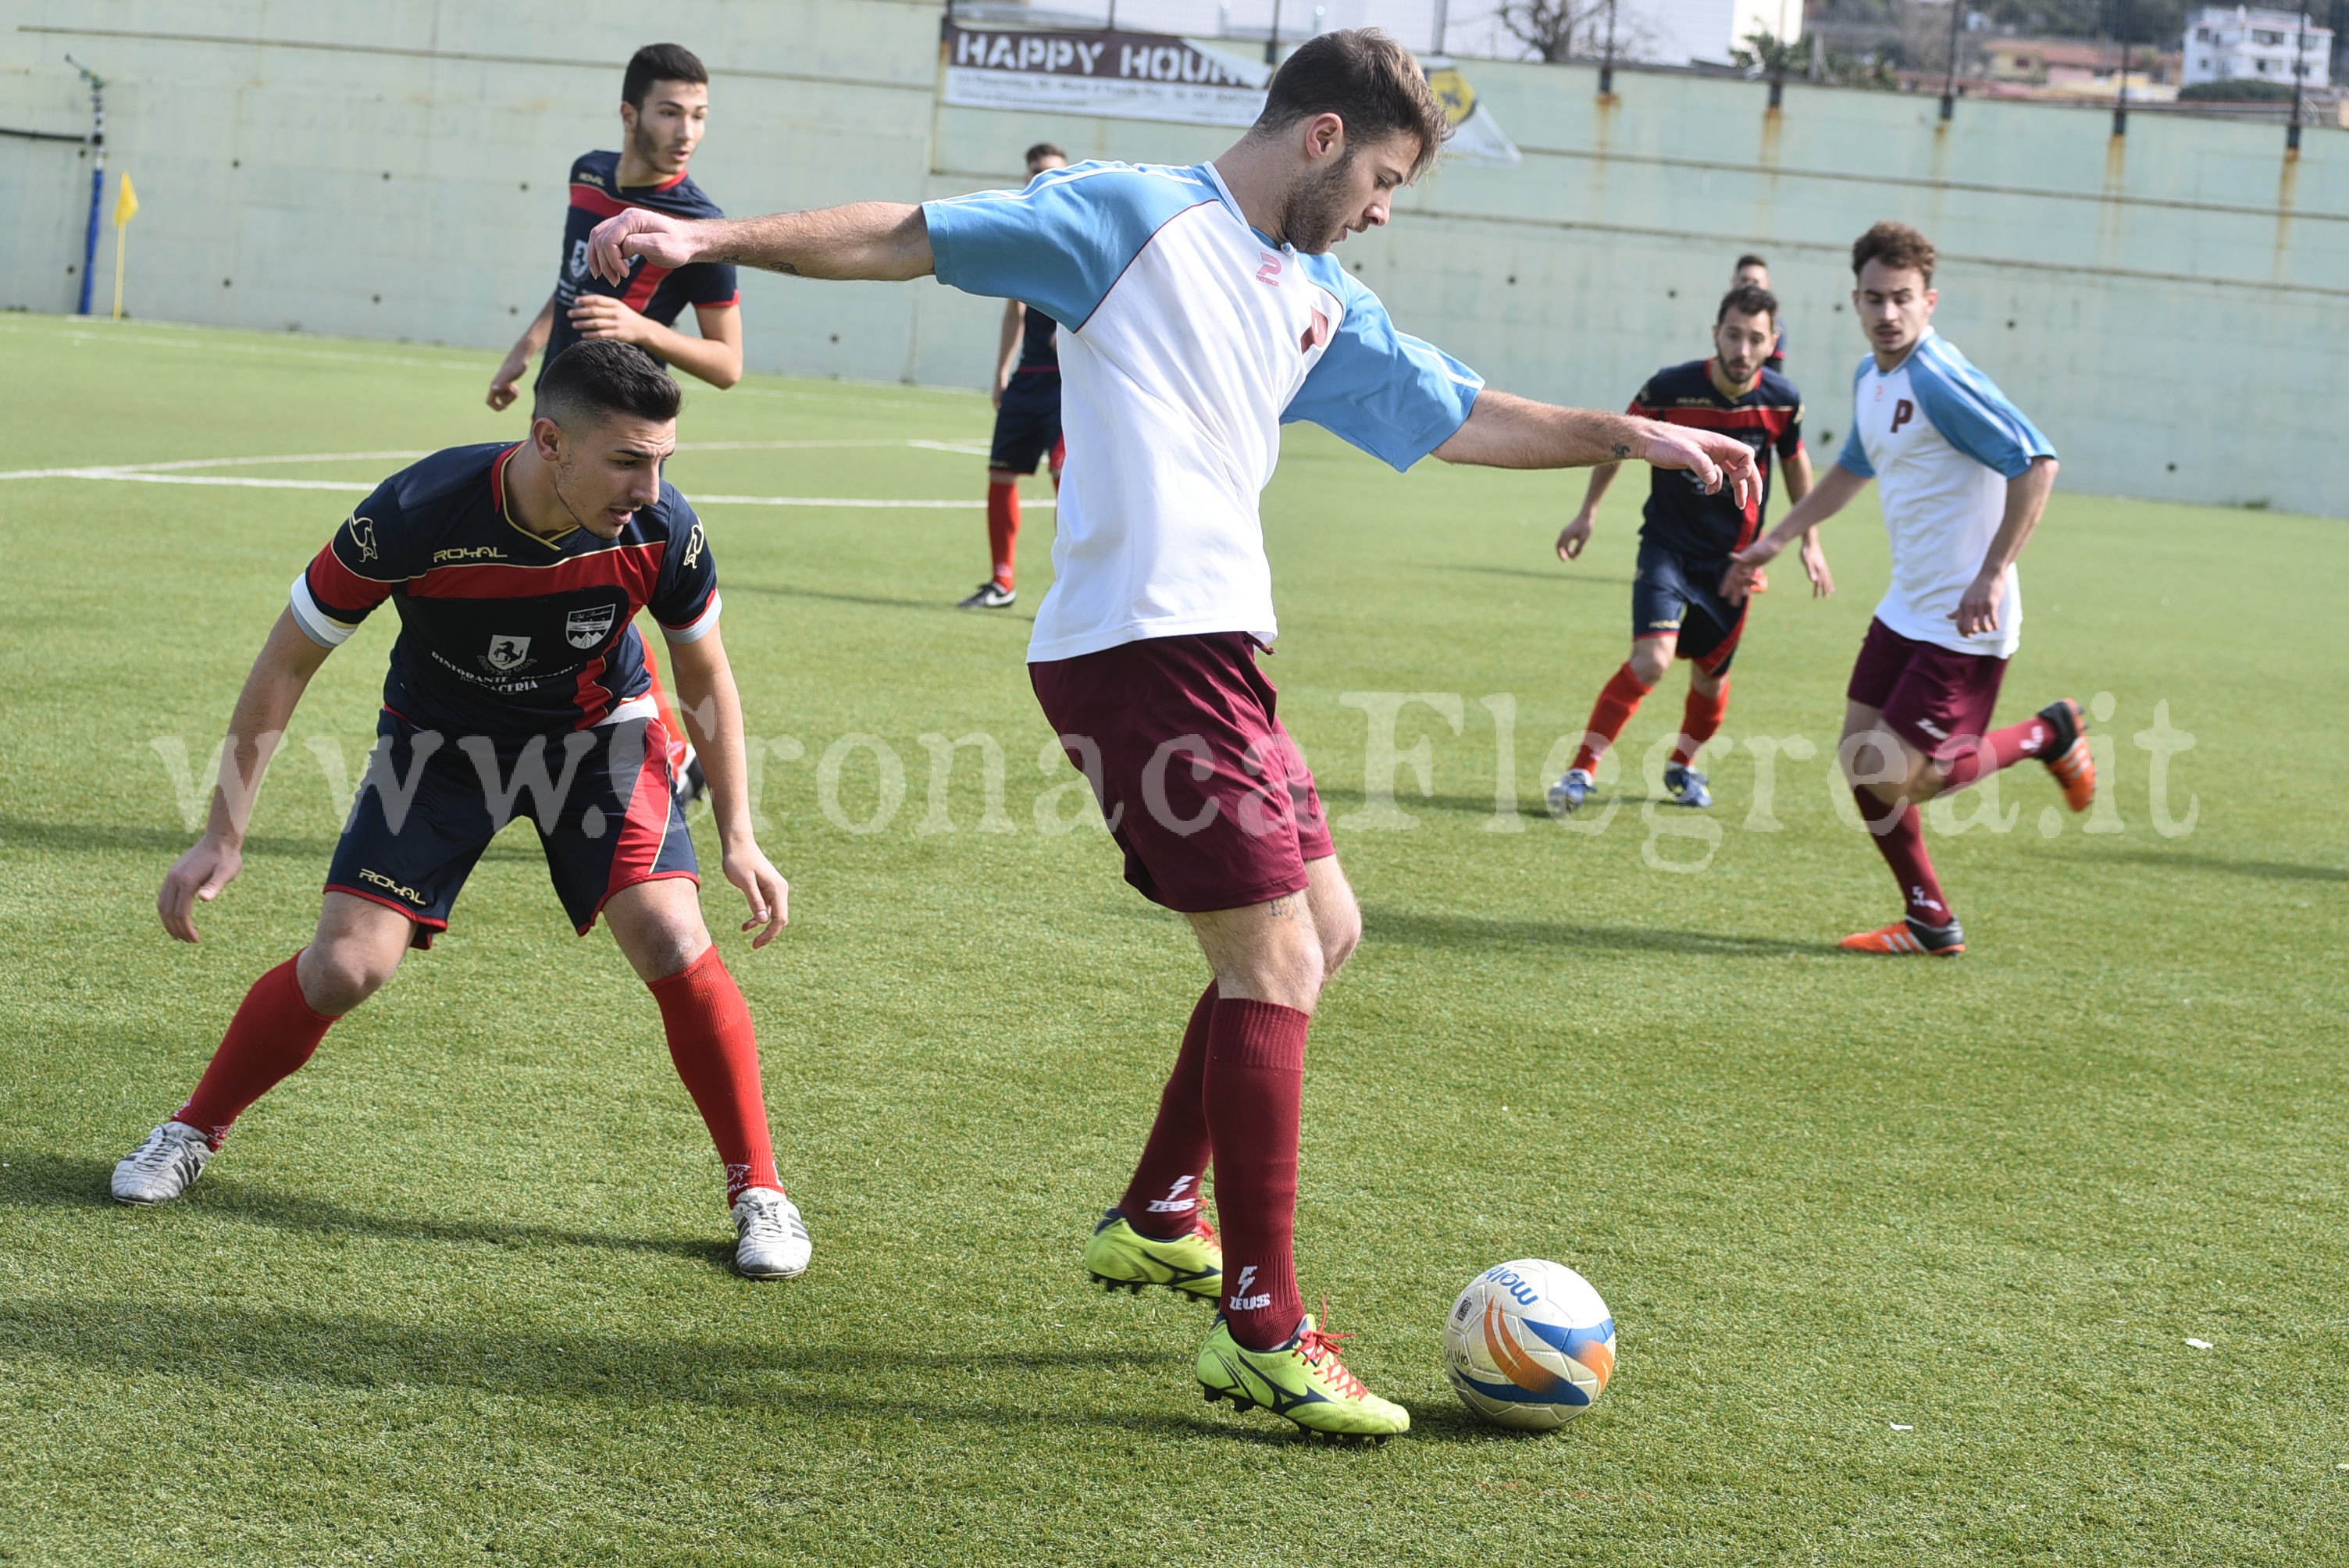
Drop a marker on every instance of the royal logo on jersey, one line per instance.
(587, 627)
(507, 652)
(363, 535)
(458, 557)
(693, 543)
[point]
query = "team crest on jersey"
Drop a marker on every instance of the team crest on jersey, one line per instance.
(693, 543)
(587, 627)
(363, 535)
(507, 654)
(578, 260)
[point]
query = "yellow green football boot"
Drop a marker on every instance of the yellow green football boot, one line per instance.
(1123, 1258)
(1302, 1381)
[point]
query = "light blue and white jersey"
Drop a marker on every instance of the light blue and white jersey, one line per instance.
(1940, 440)
(1187, 338)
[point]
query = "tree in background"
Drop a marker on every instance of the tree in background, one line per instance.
(1559, 30)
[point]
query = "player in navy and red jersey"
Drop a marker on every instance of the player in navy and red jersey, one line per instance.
(664, 107)
(1027, 418)
(517, 686)
(1686, 538)
(1754, 271)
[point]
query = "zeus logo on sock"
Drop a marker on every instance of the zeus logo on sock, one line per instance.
(1174, 1202)
(1241, 1300)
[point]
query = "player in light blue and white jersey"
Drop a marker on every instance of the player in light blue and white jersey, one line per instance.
(1199, 308)
(1964, 476)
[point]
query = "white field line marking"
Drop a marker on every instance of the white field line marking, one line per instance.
(943, 394)
(136, 471)
(362, 485)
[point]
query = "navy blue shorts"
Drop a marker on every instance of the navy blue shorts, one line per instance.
(1028, 426)
(1680, 595)
(600, 799)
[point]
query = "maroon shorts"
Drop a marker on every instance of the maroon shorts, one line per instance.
(1200, 785)
(1935, 697)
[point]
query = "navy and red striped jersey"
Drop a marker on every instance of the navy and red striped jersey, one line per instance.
(654, 292)
(1040, 343)
(502, 631)
(1769, 418)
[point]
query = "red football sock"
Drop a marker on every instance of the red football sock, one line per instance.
(716, 1054)
(1162, 1199)
(1700, 720)
(1618, 701)
(274, 1033)
(1002, 525)
(1901, 840)
(2000, 748)
(1255, 1093)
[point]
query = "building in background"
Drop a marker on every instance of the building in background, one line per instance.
(2253, 44)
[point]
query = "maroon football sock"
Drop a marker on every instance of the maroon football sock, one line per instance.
(1254, 1094)
(274, 1033)
(1002, 527)
(1900, 839)
(2000, 748)
(1618, 699)
(1162, 1199)
(715, 1052)
(1701, 719)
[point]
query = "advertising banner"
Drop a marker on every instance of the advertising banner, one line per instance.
(1151, 76)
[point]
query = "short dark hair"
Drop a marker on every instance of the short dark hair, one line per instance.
(1895, 245)
(1747, 299)
(1043, 150)
(604, 375)
(1749, 260)
(660, 63)
(1365, 78)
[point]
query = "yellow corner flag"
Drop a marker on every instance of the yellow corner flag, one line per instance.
(126, 207)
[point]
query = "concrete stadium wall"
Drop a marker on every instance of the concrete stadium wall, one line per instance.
(2169, 306)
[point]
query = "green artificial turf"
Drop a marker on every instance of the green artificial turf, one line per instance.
(1905, 1256)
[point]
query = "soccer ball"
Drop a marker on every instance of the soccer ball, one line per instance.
(1529, 1345)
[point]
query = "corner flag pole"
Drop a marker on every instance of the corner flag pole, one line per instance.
(126, 207)
(97, 175)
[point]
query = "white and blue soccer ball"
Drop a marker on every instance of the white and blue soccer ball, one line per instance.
(1529, 1345)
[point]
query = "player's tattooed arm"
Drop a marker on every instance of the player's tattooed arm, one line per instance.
(884, 240)
(1502, 431)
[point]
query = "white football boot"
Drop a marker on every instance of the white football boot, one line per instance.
(771, 1242)
(163, 1167)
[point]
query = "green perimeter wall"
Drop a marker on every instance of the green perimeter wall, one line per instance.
(2169, 308)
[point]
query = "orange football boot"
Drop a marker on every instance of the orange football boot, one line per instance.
(1907, 939)
(2067, 757)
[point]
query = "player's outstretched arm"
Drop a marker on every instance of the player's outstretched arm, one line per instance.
(1505, 431)
(2026, 500)
(288, 659)
(1829, 496)
(713, 714)
(884, 240)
